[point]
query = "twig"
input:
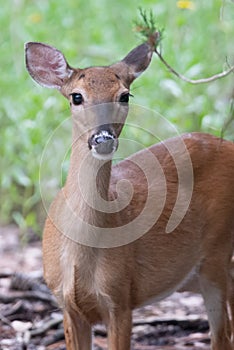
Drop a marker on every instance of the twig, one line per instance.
(20, 281)
(148, 29)
(229, 118)
(31, 295)
(190, 322)
(5, 320)
(194, 81)
(46, 326)
(14, 309)
(52, 339)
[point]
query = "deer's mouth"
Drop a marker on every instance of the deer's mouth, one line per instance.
(103, 144)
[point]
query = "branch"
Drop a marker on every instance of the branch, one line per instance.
(30, 295)
(148, 30)
(194, 81)
(44, 327)
(229, 119)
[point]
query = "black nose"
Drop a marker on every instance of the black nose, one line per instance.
(103, 142)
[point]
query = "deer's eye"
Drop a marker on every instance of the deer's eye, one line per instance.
(124, 98)
(77, 98)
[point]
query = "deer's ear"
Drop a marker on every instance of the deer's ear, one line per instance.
(134, 63)
(46, 65)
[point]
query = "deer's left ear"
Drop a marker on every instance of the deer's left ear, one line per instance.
(134, 63)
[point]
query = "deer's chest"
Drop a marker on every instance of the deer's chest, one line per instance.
(87, 287)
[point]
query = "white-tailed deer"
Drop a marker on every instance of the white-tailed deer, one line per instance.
(99, 260)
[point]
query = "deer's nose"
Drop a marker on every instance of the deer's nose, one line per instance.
(103, 144)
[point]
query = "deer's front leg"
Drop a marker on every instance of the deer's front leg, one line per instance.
(119, 330)
(77, 332)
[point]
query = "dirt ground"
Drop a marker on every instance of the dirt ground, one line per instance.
(30, 318)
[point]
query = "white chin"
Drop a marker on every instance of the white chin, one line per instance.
(99, 156)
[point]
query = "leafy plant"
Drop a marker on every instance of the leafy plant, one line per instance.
(196, 41)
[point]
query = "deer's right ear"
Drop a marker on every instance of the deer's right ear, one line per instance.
(47, 65)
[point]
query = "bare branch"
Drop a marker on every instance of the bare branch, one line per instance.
(229, 119)
(148, 30)
(196, 81)
(30, 295)
(46, 326)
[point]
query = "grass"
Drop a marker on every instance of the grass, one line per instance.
(197, 42)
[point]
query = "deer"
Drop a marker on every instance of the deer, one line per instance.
(99, 260)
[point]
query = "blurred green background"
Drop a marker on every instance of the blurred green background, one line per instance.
(197, 42)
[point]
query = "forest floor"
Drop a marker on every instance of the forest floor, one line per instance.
(30, 318)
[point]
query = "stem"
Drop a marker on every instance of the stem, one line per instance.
(196, 81)
(229, 118)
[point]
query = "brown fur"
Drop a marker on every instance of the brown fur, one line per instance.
(104, 285)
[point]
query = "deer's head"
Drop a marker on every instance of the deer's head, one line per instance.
(98, 95)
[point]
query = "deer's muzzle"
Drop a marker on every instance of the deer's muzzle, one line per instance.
(103, 144)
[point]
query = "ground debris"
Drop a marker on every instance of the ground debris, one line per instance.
(31, 320)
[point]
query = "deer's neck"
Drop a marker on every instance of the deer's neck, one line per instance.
(87, 184)
(81, 207)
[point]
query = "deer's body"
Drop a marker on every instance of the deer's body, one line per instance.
(97, 284)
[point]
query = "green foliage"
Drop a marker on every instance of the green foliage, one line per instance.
(197, 41)
(147, 28)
